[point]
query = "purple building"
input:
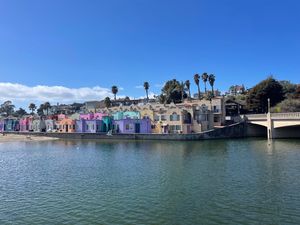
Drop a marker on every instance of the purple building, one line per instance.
(89, 126)
(1, 125)
(131, 126)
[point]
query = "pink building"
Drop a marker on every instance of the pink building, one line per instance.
(87, 116)
(25, 124)
(99, 116)
(92, 116)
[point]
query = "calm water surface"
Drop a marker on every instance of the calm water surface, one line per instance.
(208, 182)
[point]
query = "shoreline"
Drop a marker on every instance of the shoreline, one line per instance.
(232, 131)
(7, 137)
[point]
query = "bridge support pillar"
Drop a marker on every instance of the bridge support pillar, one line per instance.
(270, 128)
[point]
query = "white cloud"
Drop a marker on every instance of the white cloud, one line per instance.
(42, 93)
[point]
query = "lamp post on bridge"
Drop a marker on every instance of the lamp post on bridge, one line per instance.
(269, 121)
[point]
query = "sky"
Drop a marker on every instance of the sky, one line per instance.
(66, 51)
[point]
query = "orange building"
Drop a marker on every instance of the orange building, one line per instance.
(67, 125)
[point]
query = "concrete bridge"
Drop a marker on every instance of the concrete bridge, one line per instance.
(278, 125)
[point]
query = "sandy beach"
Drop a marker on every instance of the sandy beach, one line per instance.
(15, 137)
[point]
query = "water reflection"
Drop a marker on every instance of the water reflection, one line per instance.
(245, 181)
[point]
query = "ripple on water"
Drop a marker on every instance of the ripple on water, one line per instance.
(219, 182)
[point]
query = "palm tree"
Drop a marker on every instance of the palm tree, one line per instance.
(114, 90)
(188, 86)
(107, 102)
(32, 107)
(196, 79)
(211, 80)
(146, 86)
(204, 78)
(47, 107)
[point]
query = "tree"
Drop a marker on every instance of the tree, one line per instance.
(40, 110)
(288, 88)
(188, 86)
(296, 95)
(197, 79)
(20, 112)
(172, 92)
(257, 99)
(32, 107)
(47, 106)
(7, 108)
(211, 80)
(287, 105)
(114, 90)
(205, 78)
(146, 86)
(107, 102)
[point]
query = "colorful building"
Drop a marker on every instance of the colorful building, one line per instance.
(119, 115)
(130, 126)
(25, 124)
(9, 124)
(89, 126)
(66, 126)
(51, 125)
(38, 125)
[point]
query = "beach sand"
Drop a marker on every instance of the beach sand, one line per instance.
(29, 138)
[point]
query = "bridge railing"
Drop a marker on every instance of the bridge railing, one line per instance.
(292, 115)
(255, 116)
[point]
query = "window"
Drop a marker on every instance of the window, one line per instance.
(127, 127)
(153, 126)
(178, 127)
(156, 118)
(93, 126)
(174, 117)
(163, 117)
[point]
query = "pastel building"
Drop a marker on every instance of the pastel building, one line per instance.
(107, 123)
(66, 126)
(119, 115)
(130, 126)
(25, 124)
(38, 125)
(89, 126)
(100, 116)
(1, 125)
(51, 125)
(9, 125)
(86, 116)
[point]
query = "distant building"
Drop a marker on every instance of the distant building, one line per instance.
(236, 90)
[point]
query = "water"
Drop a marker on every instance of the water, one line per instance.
(126, 182)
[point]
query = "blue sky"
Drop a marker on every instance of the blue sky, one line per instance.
(87, 46)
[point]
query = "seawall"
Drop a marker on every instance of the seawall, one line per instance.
(231, 131)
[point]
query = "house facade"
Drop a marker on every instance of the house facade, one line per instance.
(130, 126)
(38, 125)
(66, 126)
(9, 124)
(89, 126)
